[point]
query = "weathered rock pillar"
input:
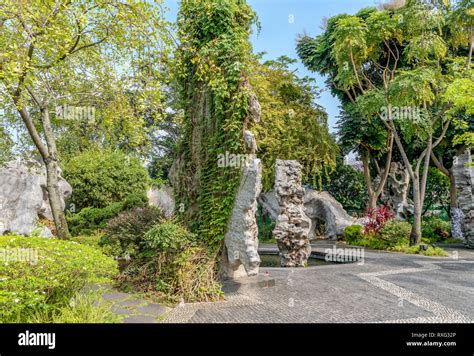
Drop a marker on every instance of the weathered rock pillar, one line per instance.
(241, 239)
(396, 191)
(292, 225)
(240, 255)
(464, 176)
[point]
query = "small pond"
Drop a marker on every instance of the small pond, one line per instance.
(273, 260)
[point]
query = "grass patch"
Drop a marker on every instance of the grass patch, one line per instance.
(83, 308)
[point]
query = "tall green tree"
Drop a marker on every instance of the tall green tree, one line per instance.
(391, 60)
(328, 54)
(47, 45)
(292, 125)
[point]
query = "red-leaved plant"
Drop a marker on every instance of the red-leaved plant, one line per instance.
(378, 217)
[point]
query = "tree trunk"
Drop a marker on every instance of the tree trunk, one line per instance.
(372, 197)
(453, 199)
(372, 201)
(415, 235)
(419, 189)
(52, 177)
(54, 196)
(48, 154)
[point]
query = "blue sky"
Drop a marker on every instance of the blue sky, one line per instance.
(283, 20)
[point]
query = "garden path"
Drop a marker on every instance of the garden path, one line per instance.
(387, 287)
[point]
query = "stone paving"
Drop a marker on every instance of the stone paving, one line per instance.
(386, 287)
(130, 308)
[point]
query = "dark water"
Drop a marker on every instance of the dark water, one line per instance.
(274, 261)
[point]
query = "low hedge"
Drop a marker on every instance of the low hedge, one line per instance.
(39, 274)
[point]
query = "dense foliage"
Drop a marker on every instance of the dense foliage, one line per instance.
(436, 229)
(347, 186)
(437, 191)
(293, 126)
(100, 178)
(171, 265)
(89, 220)
(126, 231)
(394, 236)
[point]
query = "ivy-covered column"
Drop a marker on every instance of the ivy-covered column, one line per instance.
(213, 62)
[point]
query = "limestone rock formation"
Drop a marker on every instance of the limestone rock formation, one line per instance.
(162, 198)
(240, 255)
(241, 239)
(255, 108)
(321, 208)
(292, 225)
(396, 190)
(457, 218)
(464, 176)
(250, 142)
(24, 197)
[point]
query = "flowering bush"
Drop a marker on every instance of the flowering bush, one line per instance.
(378, 217)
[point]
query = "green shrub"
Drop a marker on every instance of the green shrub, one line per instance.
(435, 229)
(89, 240)
(167, 236)
(394, 236)
(171, 266)
(265, 226)
(353, 233)
(136, 200)
(89, 220)
(416, 250)
(395, 232)
(347, 186)
(124, 234)
(188, 274)
(101, 178)
(62, 268)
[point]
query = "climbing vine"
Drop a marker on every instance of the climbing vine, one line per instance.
(212, 67)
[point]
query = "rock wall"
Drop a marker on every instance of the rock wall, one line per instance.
(464, 177)
(24, 197)
(292, 225)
